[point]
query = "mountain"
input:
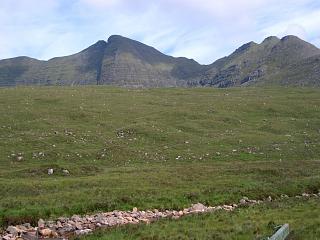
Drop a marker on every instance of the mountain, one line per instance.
(286, 61)
(130, 63)
(77, 69)
(124, 62)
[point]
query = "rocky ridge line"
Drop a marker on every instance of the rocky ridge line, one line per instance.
(76, 225)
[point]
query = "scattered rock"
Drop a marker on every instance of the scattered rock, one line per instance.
(12, 230)
(145, 220)
(82, 225)
(54, 234)
(27, 225)
(8, 237)
(199, 207)
(78, 226)
(228, 208)
(41, 223)
(59, 224)
(83, 232)
(306, 195)
(46, 232)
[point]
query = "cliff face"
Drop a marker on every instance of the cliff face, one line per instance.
(124, 62)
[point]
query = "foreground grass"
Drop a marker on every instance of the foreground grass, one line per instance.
(160, 148)
(257, 222)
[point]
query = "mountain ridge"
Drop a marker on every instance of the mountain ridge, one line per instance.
(125, 62)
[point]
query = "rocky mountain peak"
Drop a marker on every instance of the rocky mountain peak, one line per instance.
(294, 48)
(296, 42)
(98, 46)
(290, 38)
(114, 38)
(123, 42)
(101, 43)
(270, 39)
(245, 47)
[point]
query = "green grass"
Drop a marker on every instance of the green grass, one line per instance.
(257, 222)
(122, 147)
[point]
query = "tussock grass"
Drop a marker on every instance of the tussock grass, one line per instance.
(153, 148)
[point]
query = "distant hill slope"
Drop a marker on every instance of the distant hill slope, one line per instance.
(124, 62)
(130, 63)
(289, 61)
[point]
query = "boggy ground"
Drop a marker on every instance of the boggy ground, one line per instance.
(152, 148)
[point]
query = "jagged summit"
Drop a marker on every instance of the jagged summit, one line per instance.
(125, 62)
(101, 44)
(114, 38)
(245, 47)
(294, 41)
(290, 37)
(270, 40)
(122, 42)
(293, 49)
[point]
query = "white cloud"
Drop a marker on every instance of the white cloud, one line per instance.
(101, 3)
(305, 25)
(296, 29)
(201, 29)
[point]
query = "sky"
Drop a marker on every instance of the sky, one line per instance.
(200, 29)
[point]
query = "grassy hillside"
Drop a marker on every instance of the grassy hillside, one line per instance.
(159, 148)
